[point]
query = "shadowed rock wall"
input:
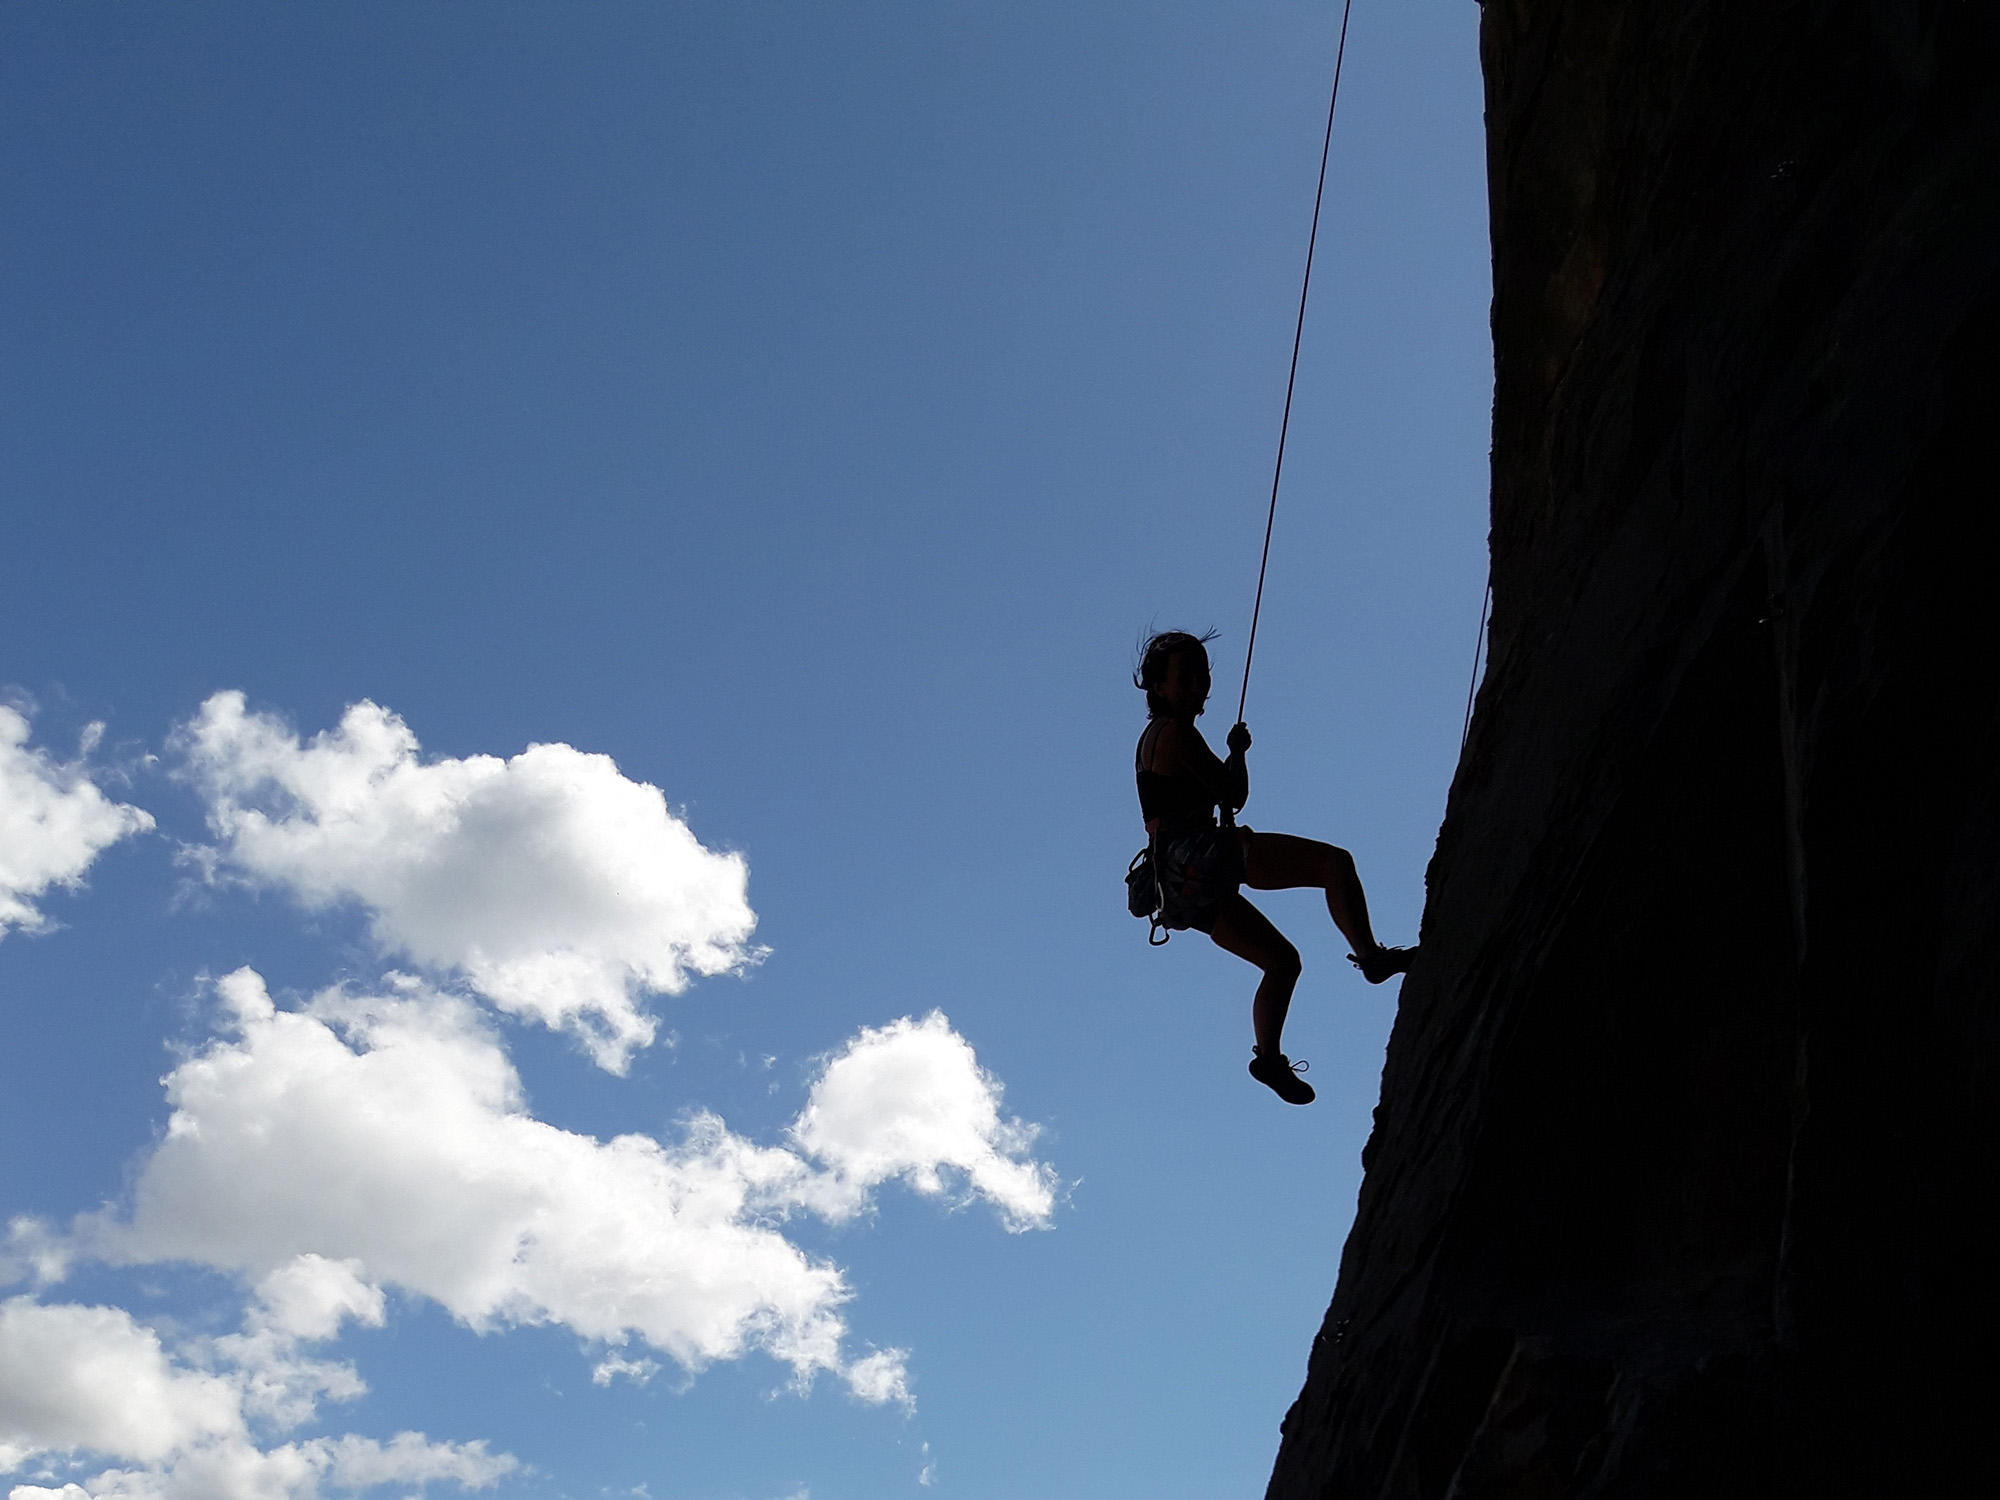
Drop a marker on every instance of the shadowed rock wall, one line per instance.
(1683, 1179)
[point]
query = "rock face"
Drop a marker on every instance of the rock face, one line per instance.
(1684, 1178)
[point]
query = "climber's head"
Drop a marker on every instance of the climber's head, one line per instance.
(1173, 673)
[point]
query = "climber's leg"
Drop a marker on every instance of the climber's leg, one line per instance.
(1243, 930)
(1282, 862)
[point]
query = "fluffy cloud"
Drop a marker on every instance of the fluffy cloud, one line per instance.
(386, 1139)
(53, 823)
(910, 1100)
(561, 890)
(91, 1379)
(310, 1297)
(391, 1131)
(881, 1377)
(306, 1299)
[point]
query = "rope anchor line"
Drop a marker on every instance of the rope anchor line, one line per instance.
(1298, 336)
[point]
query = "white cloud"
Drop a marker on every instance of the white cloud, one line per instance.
(307, 1298)
(76, 1379)
(409, 1458)
(609, 1368)
(239, 1470)
(910, 1100)
(53, 823)
(882, 1377)
(386, 1139)
(391, 1131)
(561, 890)
(89, 1377)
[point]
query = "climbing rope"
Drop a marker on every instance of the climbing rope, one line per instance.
(1478, 650)
(1298, 334)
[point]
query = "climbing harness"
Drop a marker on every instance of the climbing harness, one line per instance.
(1298, 336)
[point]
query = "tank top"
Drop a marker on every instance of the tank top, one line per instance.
(1180, 803)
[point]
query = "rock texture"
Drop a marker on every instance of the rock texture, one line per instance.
(1683, 1180)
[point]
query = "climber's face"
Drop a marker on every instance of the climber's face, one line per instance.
(1185, 686)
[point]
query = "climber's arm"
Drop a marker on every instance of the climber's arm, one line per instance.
(1228, 781)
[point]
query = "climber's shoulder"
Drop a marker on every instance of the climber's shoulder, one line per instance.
(1173, 744)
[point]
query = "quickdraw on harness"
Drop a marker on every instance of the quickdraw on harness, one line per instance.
(1143, 896)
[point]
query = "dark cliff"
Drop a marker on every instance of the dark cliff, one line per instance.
(1683, 1176)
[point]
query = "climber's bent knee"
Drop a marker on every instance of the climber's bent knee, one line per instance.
(1285, 963)
(1243, 930)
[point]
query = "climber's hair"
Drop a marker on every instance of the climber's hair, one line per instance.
(1155, 651)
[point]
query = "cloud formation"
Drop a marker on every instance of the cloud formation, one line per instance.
(304, 1300)
(89, 1377)
(909, 1100)
(559, 889)
(386, 1139)
(53, 823)
(92, 1379)
(365, 1141)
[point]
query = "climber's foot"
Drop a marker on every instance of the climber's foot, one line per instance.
(1383, 963)
(1280, 1075)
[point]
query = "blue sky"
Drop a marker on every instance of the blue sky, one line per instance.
(798, 409)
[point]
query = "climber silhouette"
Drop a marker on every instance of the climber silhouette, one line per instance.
(1200, 860)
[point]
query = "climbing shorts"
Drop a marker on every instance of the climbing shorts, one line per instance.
(1197, 873)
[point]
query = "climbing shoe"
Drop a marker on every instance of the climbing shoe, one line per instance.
(1383, 963)
(1280, 1075)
